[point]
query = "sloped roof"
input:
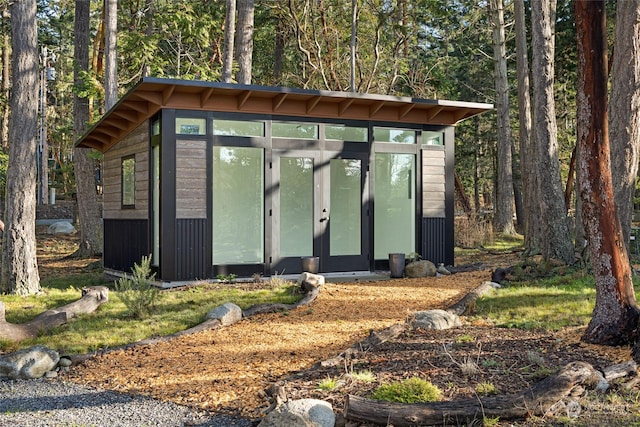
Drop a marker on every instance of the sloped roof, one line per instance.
(152, 94)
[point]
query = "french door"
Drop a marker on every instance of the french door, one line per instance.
(319, 209)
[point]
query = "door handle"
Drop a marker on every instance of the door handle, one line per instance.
(324, 218)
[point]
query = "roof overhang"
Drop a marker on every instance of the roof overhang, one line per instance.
(152, 94)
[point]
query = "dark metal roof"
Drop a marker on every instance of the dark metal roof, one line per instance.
(152, 94)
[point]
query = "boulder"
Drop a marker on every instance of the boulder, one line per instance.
(435, 319)
(309, 281)
(301, 413)
(422, 268)
(28, 363)
(227, 313)
(61, 227)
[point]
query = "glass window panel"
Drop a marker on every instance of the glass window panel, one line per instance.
(346, 133)
(155, 259)
(294, 130)
(432, 138)
(394, 212)
(128, 181)
(296, 206)
(155, 127)
(397, 136)
(238, 128)
(191, 126)
(238, 205)
(346, 207)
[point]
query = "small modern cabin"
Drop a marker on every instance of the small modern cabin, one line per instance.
(217, 179)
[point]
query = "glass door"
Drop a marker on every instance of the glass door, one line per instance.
(318, 211)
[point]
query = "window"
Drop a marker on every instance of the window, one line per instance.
(395, 136)
(238, 128)
(346, 133)
(128, 166)
(294, 130)
(432, 138)
(191, 126)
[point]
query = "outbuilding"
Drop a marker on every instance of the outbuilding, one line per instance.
(217, 179)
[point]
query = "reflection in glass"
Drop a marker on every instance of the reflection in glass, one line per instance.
(129, 181)
(296, 206)
(397, 136)
(237, 128)
(294, 130)
(191, 126)
(394, 212)
(346, 207)
(432, 138)
(346, 133)
(238, 205)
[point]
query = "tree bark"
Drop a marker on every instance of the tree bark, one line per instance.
(229, 33)
(19, 263)
(244, 41)
(6, 79)
(503, 220)
(624, 115)
(537, 401)
(556, 240)
(92, 298)
(111, 54)
(89, 204)
(615, 316)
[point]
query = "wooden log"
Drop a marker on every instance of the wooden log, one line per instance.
(536, 400)
(466, 304)
(620, 370)
(91, 299)
(274, 308)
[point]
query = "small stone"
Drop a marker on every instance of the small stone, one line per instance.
(51, 374)
(64, 362)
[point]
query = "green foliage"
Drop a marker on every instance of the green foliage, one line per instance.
(486, 388)
(137, 291)
(549, 303)
(411, 390)
(328, 384)
(364, 376)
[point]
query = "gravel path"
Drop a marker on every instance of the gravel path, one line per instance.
(47, 402)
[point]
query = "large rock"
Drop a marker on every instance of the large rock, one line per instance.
(227, 313)
(301, 413)
(435, 319)
(61, 227)
(28, 363)
(422, 268)
(309, 281)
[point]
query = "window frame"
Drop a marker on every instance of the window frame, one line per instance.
(124, 192)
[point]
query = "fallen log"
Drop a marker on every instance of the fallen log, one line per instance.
(536, 400)
(92, 298)
(275, 308)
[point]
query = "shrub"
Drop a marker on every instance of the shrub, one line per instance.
(137, 292)
(411, 390)
(473, 231)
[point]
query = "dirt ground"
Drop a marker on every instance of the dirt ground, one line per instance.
(229, 370)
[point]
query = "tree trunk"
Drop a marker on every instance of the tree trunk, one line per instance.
(537, 401)
(111, 54)
(6, 79)
(503, 220)
(244, 41)
(624, 119)
(555, 240)
(89, 205)
(615, 316)
(92, 298)
(19, 262)
(229, 33)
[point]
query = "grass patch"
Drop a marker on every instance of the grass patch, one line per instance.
(550, 303)
(328, 384)
(364, 376)
(411, 390)
(112, 325)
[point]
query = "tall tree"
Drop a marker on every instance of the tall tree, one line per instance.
(625, 110)
(110, 54)
(89, 206)
(615, 316)
(6, 66)
(555, 239)
(229, 33)
(19, 263)
(503, 220)
(244, 41)
(528, 171)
